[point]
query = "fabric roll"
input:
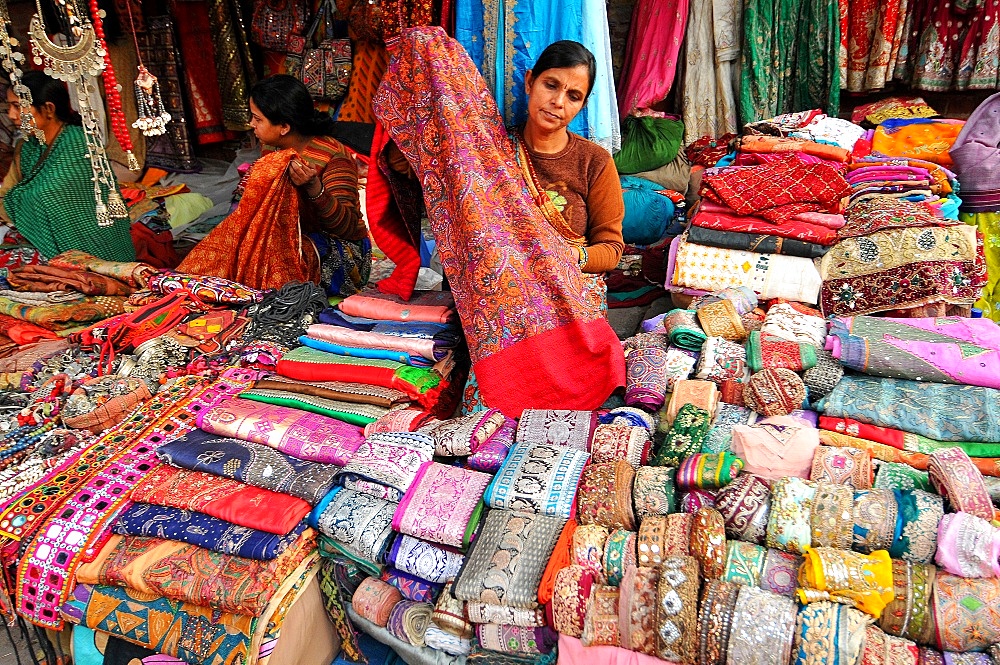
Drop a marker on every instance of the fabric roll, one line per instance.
(412, 587)
(423, 559)
(892, 475)
(516, 639)
(823, 377)
(604, 495)
(348, 412)
(702, 394)
(776, 447)
(408, 621)
(399, 420)
(385, 465)
(968, 546)
(842, 466)
(831, 516)
(646, 373)
(745, 505)
(909, 613)
(360, 524)
(683, 329)
(651, 541)
(694, 500)
(715, 617)
(722, 360)
(829, 634)
(588, 549)
(882, 648)
(677, 610)
(619, 553)
(334, 390)
(708, 470)
(680, 363)
(571, 595)
(786, 322)
(919, 516)
(720, 435)
(462, 436)
(374, 601)
(479, 612)
(449, 615)
(744, 563)
(677, 534)
(538, 479)
(762, 629)
(789, 527)
(780, 574)
(301, 434)
(562, 555)
(526, 541)
(959, 604)
(443, 505)
(861, 580)
(440, 640)
(600, 627)
(760, 243)
(774, 392)
(708, 543)
(720, 319)
(955, 478)
(653, 491)
(490, 456)
(875, 520)
(627, 415)
(687, 431)
(766, 351)
(611, 443)
(557, 428)
(637, 624)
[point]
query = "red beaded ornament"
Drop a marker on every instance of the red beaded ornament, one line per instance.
(116, 115)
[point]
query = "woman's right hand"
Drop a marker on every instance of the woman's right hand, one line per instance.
(303, 175)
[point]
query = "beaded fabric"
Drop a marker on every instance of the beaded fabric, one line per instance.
(677, 610)
(763, 628)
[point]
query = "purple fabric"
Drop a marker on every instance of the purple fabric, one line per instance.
(976, 151)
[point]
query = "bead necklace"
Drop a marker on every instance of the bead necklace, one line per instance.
(79, 64)
(12, 61)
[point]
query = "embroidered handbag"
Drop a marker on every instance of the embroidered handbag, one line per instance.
(275, 22)
(326, 68)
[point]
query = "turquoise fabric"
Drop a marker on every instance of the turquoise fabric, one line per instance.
(647, 213)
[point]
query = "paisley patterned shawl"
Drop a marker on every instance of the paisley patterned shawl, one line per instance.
(520, 296)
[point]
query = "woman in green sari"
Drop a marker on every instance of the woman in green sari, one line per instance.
(48, 194)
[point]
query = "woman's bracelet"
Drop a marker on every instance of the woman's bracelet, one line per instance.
(583, 257)
(321, 192)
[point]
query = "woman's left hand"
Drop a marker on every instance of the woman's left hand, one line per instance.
(303, 175)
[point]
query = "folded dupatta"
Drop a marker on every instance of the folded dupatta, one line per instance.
(763, 243)
(359, 523)
(348, 412)
(143, 519)
(538, 479)
(436, 307)
(65, 315)
(424, 348)
(424, 560)
(194, 574)
(250, 463)
(226, 499)
(529, 344)
(414, 360)
(260, 244)
(443, 505)
(336, 390)
(861, 580)
(939, 350)
(557, 427)
(767, 351)
(386, 464)
(307, 364)
(301, 434)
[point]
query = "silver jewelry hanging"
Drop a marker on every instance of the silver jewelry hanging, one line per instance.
(12, 61)
(80, 64)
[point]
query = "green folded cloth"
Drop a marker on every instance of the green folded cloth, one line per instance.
(770, 352)
(681, 325)
(685, 436)
(353, 414)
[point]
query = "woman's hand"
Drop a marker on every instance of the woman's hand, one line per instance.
(303, 175)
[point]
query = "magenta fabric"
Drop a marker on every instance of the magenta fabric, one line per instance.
(651, 54)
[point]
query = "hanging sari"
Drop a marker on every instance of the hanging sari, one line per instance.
(533, 326)
(260, 243)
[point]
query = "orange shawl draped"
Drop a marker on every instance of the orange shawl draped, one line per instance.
(260, 244)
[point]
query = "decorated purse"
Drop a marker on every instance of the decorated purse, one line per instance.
(276, 22)
(325, 68)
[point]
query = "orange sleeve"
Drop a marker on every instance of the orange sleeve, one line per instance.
(338, 208)
(605, 212)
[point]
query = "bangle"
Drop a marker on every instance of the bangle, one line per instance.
(583, 257)
(322, 191)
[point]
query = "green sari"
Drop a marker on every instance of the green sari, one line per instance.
(53, 206)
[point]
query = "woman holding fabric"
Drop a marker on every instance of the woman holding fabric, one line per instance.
(523, 224)
(300, 217)
(48, 193)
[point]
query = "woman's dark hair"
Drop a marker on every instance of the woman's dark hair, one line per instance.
(284, 99)
(567, 53)
(45, 89)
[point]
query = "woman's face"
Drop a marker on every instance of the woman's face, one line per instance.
(13, 108)
(555, 96)
(266, 131)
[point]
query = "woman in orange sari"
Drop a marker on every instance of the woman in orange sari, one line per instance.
(299, 218)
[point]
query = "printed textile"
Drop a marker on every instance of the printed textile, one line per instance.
(143, 519)
(938, 350)
(360, 524)
(938, 411)
(443, 505)
(338, 390)
(538, 479)
(508, 558)
(226, 499)
(386, 464)
(453, 137)
(462, 436)
(349, 412)
(426, 561)
(767, 351)
(557, 428)
(250, 463)
(307, 436)
(965, 612)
